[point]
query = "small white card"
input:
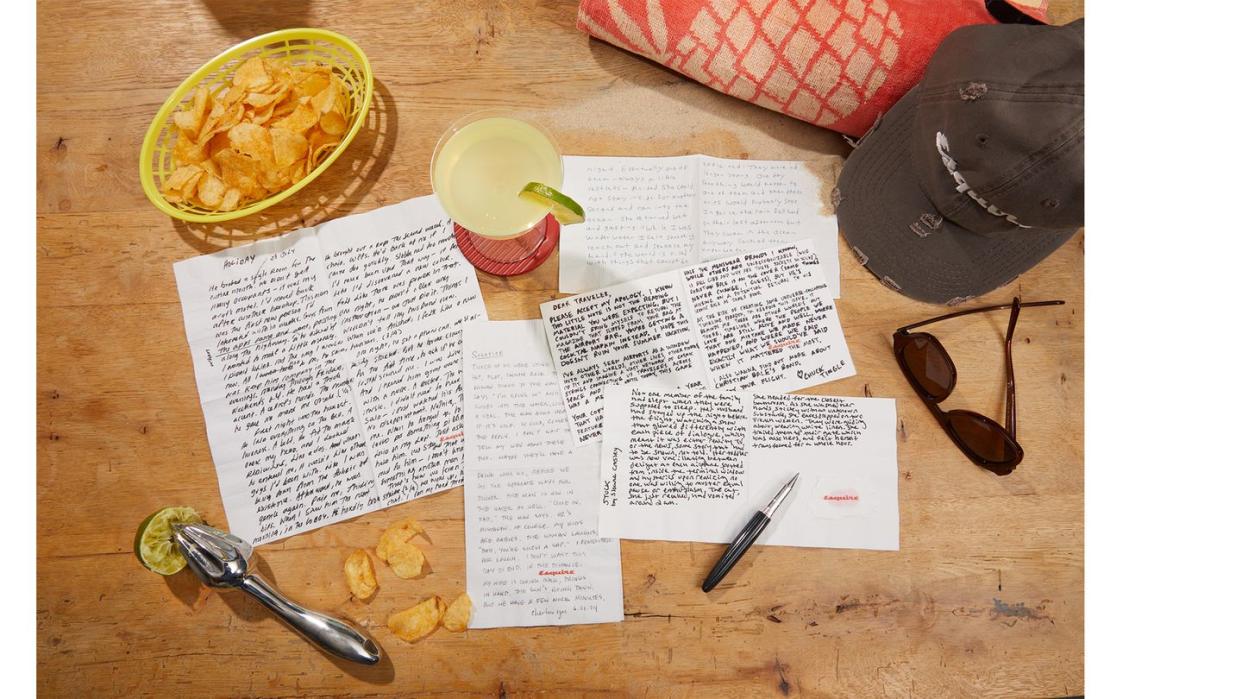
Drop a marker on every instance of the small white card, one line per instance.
(696, 465)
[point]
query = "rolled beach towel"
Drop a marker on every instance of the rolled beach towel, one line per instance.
(835, 63)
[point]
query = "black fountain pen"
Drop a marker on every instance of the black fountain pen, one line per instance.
(747, 536)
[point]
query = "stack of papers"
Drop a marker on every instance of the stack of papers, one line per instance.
(349, 367)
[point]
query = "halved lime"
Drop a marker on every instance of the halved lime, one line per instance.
(153, 545)
(564, 210)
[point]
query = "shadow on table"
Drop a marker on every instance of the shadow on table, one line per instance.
(738, 576)
(246, 19)
(186, 587)
(380, 673)
(333, 194)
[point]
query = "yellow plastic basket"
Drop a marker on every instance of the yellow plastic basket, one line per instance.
(291, 45)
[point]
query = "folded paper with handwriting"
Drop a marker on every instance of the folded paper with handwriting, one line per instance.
(839, 64)
(696, 465)
(763, 319)
(328, 363)
(652, 215)
(532, 555)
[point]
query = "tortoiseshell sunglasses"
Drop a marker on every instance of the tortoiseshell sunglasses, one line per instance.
(931, 373)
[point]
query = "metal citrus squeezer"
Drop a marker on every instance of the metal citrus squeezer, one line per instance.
(220, 559)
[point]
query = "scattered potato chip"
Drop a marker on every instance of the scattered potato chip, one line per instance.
(260, 134)
(359, 571)
(417, 621)
(406, 560)
(457, 618)
(398, 533)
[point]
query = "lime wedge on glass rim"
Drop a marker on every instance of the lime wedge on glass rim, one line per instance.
(153, 544)
(566, 211)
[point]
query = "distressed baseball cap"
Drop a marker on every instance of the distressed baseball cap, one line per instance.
(976, 174)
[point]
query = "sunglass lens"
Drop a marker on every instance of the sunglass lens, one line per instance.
(987, 439)
(929, 365)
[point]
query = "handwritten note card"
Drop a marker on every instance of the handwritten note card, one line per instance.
(328, 364)
(763, 319)
(533, 557)
(696, 465)
(651, 215)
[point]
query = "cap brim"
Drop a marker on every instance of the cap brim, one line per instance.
(880, 201)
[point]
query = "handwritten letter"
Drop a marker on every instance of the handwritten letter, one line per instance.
(533, 555)
(651, 215)
(328, 366)
(404, 295)
(760, 319)
(696, 465)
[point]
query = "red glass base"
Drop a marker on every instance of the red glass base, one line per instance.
(511, 256)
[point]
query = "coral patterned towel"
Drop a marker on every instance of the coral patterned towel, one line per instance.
(835, 63)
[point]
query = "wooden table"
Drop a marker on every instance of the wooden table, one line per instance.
(985, 596)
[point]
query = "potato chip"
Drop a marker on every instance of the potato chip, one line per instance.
(177, 178)
(228, 117)
(186, 122)
(252, 74)
(296, 171)
(300, 120)
(190, 118)
(325, 100)
(398, 533)
(359, 571)
(187, 152)
(211, 192)
(457, 618)
(259, 100)
(203, 102)
(312, 83)
(417, 621)
(234, 94)
(406, 560)
(265, 130)
(332, 124)
(273, 180)
(284, 107)
(231, 199)
(218, 143)
(288, 147)
(210, 166)
(191, 185)
(239, 171)
(252, 140)
(230, 160)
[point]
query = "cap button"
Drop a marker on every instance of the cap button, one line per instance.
(972, 91)
(1052, 203)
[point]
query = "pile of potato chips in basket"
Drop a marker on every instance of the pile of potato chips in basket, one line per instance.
(275, 123)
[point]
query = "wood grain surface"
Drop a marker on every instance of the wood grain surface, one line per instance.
(985, 596)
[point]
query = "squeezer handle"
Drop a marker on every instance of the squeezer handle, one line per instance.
(331, 634)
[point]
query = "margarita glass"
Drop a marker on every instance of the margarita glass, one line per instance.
(479, 167)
